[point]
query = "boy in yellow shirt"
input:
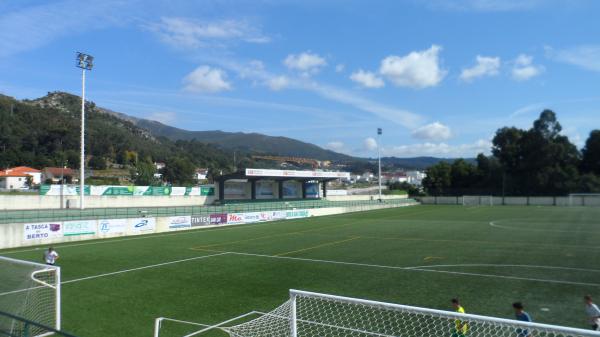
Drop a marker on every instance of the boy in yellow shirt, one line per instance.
(460, 327)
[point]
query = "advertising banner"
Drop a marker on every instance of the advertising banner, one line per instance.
(142, 224)
(264, 190)
(218, 218)
(297, 213)
(46, 230)
(200, 220)
(179, 190)
(278, 215)
(312, 190)
(112, 226)
(207, 190)
(235, 218)
(79, 227)
(180, 222)
(59, 190)
(107, 190)
(296, 174)
(252, 217)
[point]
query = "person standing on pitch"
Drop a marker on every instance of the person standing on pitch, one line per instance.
(460, 327)
(593, 312)
(50, 256)
(522, 316)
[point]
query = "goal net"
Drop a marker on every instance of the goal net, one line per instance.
(478, 200)
(30, 292)
(309, 314)
(584, 199)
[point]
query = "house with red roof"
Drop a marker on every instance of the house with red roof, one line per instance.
(20, 177)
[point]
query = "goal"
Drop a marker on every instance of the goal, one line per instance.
(584, 199)
(29, 292)
(309, 314)
(478, 200)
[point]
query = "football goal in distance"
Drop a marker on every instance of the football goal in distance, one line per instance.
(478, 200)
(584, 199)
(29, 292)
(308, 314)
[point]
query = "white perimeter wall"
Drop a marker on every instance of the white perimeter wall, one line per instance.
(15, 235)
(8, 202)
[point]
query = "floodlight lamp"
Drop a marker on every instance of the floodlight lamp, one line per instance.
(85, 61)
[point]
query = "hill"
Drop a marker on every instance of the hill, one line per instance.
(250, 143)
(418, 163)
(45, 132)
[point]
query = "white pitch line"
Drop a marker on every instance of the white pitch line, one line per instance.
(418, 269)
(494, 224)
(506, 266)
(121, 272)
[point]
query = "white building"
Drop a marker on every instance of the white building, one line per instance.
(201, 174)
(415, 177)
(20, 177)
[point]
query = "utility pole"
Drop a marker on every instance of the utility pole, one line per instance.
(379, 132)
(85, 62)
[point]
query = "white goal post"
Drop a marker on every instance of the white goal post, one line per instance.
(584, 199)
(309, 314)
(478, 200)
(30, 291)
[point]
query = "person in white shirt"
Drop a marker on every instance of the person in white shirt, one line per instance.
(50, 256)
(593, 312)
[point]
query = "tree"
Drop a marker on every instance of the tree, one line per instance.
(590, 162)
(97, 163)
(179, 171)
(438, 179)
(144, 174)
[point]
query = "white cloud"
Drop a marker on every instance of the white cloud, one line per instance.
(396, 115)
(335, 146)
(486, 66)
(165, 117)
(192, 33)
(339, 68)
(36, 24)
(586, 56)
(433, 132)
(367, 79)
(524, 69)
(307, 62)
(418, 69)
(439, 149)
(278, 83)
(206, 79)
(370, 144)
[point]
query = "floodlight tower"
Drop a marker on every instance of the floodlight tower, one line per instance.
(379, 132)
(85, 62)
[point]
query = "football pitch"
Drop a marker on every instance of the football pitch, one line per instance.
(489, 257)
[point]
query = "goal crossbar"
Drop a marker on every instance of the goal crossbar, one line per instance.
(310, 314)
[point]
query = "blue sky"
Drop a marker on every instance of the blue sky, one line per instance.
(438, 76)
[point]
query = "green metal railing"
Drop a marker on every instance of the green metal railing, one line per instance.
(15, 326)
(46, 215)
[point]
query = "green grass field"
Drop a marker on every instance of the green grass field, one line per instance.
(546, 257)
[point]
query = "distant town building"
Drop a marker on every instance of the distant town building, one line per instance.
(20, 177)
(416, 177)
(397, 177)
(201, 174)
(54, 174)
